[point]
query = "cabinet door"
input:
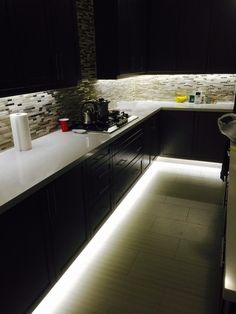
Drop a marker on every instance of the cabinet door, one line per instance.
(209, 143)
(65, 36)
(177, 133)
(40, 47)
(124, 36)
(124, 181)
(162, 36)
(120, 37)
(98, 188)
(136, 15)
(27, 42)
(68, 218)
(178, 36)
(155, 135)
(127, 162)
(193, 24)
(222, 45)
(147, 147)
(24, 268)
(106, 34)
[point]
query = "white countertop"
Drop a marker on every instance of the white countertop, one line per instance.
(229, 292)
(20, 171)
(142, 106)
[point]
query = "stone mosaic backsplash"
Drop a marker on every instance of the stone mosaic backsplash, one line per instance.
(167, 87)
(45, 108)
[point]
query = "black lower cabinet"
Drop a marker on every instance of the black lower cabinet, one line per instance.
(128, 154)
(24, 268)
(152, 138)
(209, 143)
(192, 135)
(68, 220)
(98, 189)
(146, 145)
(154, 135)
(177, 133)
(123, 182)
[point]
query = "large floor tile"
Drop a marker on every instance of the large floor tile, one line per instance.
(202, 233)
(171, 227)
(199, 253)
(177, 302)
(173, 211)
(205, 215)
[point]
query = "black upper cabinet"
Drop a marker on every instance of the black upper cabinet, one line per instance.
(168, 36)
(162, 36)
(120, 27)
(178, 36)
(66, 49)
(40, 45)
(193, 23)
(222, 45)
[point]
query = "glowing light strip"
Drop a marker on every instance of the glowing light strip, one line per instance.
(61, 290)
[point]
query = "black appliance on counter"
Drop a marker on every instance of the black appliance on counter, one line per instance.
(97, 117)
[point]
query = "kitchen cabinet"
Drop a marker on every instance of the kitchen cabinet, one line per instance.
(151, 146)
(162, 36)
(127, 154)
(40, 45)
(209, 143)
(178, 36)
(177, 129)
(147, 149)
(68, 219)
(120, 37)
(222, 43)
(98, 188)
(192, 135)
(66, 41)
(155, 135)
(193, 24)
(24, 266)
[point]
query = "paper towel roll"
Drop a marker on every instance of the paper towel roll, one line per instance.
(20, 131)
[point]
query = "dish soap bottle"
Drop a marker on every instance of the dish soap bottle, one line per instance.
(198, 98)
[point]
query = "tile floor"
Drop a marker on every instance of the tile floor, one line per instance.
(163, 256)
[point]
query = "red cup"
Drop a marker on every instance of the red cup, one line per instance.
(64, 123)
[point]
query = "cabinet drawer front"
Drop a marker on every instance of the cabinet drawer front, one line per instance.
(99, 157)
(123, 182)
(99, 211)
(126, 140)
(98, 180)
(131, 151)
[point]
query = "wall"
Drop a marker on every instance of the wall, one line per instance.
(46, 107)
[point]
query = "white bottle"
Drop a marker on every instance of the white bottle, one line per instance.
(198, 98)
